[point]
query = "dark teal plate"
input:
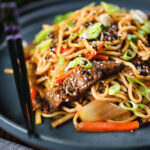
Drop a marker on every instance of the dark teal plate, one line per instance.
(64, 137)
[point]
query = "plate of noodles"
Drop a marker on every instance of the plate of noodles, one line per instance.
(89, 73)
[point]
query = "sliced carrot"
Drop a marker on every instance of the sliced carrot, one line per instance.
(63, 50)
(100, 47)
(33, 95)
(96, 52)
(101, 57)
(106, 126)
(91, 56)
(68, 73)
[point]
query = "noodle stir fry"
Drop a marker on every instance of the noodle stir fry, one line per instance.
(92, 65)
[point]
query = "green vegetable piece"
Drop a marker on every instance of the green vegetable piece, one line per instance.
(44, 44)
(145, 93)
(61, 18)
(132, 37)
(61, 60)
(133, 45)
(110, 8)
(42, 35)
(133, 108)
(83, 62)
(128, 55)
(141, 32)
(92, 32)
(58, 19)
(146, 28)
(70, 23)
(114, 89)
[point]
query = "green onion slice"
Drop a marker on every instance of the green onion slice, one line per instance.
(133, 45)
(133, 108)
(92, 32)
(83, 62)
(42, 35)
(141, 32)
(110, 8)
(61, 60)
(144, 92)
(70, 23)
(132, 37)
(128, 55)
(146, 28)
(114, 89)
(61, 18)
(44, 44)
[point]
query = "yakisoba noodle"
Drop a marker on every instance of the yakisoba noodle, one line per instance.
(68, 40)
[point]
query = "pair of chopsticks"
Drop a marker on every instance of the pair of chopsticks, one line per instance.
(9, 16)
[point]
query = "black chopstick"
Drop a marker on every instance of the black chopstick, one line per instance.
(14, 40)
(24, 77)
(15, 66)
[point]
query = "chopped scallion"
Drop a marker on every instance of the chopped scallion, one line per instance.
(110, 8)
(114, 89)
(92, 32)
(145, 92)
(128, 55)
(44, 44)
(133, 108)
(83, 62)
(61, 60)
(61, 18)
(42, 35)
(132, 37)
(133, 45)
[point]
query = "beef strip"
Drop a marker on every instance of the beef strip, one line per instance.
(143, 67)
(41, 103)
(111, 33)
(77, 83)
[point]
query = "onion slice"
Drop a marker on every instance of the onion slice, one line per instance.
(100, 111)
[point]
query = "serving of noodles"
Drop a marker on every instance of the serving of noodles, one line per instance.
(123, 36)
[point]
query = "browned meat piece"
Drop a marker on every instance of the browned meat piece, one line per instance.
(143, 67)
(111, 33)
(42, 104)
(77, 83)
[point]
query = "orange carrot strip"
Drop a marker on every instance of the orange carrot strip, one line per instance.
(98, 50)
(100, 47)
(68, 73)
(101, 57)
(106, 126)
(33, 95)
(64, 50)
(91, 56)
